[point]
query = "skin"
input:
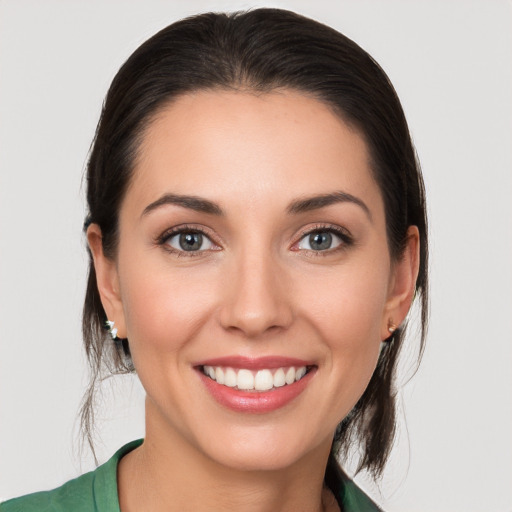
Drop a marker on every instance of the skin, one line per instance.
(258, 289)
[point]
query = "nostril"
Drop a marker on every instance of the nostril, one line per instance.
(255, 301)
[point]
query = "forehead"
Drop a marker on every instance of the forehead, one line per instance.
(239, 146)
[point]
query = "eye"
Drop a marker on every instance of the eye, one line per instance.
(321, 240)
(189, 241)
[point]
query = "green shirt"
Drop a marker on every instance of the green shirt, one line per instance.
(96, 491)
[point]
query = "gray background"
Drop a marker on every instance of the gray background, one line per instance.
(451, 64)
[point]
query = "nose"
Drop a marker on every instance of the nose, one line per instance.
(256, 299)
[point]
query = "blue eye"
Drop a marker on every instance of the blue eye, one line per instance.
(320, 240)
(189, 241)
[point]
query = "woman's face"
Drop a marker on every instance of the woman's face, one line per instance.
(252, 254)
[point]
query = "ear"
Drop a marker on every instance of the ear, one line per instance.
(107, 280)
(402, 283)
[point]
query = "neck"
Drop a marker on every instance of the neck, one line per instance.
(169, 474)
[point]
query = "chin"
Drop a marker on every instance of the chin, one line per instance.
(263, 452)
(255, 460)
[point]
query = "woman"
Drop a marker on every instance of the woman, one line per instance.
(257, 233)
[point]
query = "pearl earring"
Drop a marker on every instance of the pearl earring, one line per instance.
(111, 329)
(392, 327)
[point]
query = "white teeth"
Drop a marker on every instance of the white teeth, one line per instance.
(279, 378)
(245, 379)
(230, 378)
(262, 380)
(300, 373)
(219, 375)
(290, 376)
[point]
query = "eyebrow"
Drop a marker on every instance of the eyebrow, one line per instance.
(307, 204)
(191, 202)
(320, 201)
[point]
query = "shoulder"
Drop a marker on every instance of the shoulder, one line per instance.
(349, 496)
(96, 490)
(353, 499)
(75, 495)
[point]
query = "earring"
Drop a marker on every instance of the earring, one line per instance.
(392, 327)
(111, 329)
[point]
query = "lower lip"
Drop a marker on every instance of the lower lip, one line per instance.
(255, 401)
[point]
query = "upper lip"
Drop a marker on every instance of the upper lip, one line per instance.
(256, 363)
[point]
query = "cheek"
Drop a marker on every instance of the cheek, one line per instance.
(349, 310)
(347, 318)
(163, 308)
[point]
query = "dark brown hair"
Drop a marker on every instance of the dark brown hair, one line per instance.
(260, 50)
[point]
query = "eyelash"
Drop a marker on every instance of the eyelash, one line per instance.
(342, 234)
(185, 228)
(345, 237)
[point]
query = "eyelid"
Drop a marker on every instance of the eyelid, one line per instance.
(343, 233)
(162, 239)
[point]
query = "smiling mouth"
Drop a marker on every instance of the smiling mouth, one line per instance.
(250, 380)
